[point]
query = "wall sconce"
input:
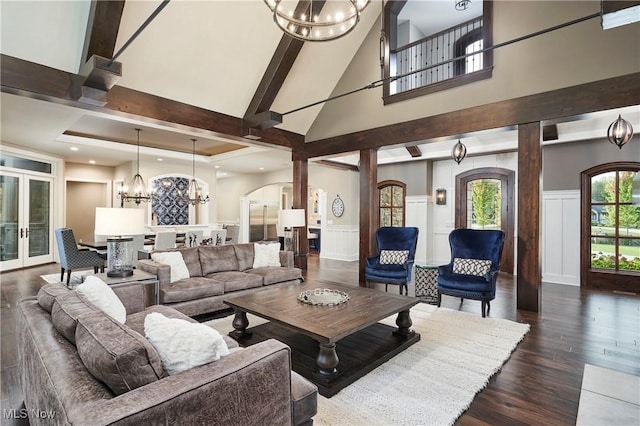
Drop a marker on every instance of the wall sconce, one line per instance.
(441, 197)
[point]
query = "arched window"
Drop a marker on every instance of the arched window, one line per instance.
(611, 227)
(391, 201)
(465, 45)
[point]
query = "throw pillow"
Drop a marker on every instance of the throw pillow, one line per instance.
(175, 260)
(182, 344)
(100, 294)
(393, 257)
(115, 354)
(479, 267)
(266, 255)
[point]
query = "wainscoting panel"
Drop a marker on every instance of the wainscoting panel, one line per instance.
(418, 214)
(561, 237)
(340, 243)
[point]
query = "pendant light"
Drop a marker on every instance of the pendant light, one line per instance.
(620, 132)
(194, 192)
(137, 186)
(459, 152)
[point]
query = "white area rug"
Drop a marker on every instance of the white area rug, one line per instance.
(432, 382)
(76, 277)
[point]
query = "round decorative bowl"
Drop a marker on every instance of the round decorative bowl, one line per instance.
(323, 297)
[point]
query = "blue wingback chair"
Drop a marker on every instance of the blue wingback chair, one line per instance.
(391, 266)
(71, 258)
(474, 266)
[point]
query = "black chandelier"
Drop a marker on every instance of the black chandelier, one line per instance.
(137, 186)
(620, 132)
(193, 195)
(458, 152)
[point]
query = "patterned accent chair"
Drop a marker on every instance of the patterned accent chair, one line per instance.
(396, 253)
(71, 258)
(474, 266)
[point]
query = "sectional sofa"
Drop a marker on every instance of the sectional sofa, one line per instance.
(215, 272)
(80, 366)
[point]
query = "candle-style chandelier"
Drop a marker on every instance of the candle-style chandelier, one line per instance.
(193, 195)
(137, 189)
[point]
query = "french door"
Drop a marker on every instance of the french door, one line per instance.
(25, 220)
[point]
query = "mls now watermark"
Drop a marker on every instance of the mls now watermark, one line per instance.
(23, 413)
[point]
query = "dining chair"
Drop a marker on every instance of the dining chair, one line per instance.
(193, 238)
(71, 258)
(165, 240)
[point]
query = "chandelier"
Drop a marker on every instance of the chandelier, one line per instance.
(193, 195)
(315, 20)
(458, 152)
(620, 132)
(139, 192)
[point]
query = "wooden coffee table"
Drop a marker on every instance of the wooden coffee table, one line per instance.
(331, 345)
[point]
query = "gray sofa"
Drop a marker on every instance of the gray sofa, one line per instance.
(214, 273)
(81, 367)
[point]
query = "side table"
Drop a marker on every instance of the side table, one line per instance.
(138, 277)
(427, 283)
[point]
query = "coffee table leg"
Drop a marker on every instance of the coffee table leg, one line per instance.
(327, 360)
(404, 323)
(240, 324)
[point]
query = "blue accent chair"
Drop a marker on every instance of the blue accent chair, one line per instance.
(472, 244)
(393, 238)
(71, 258)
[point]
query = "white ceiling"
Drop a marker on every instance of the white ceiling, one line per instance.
(168, 60)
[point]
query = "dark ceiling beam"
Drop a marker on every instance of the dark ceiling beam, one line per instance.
(277, 71)
(33, 80)
(414, 151)
(102, 28)
(337, 165)
(616, 92)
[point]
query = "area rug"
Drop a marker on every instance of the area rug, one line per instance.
(432, 382)
(76, 277)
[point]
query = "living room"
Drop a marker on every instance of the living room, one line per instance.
(579, 56)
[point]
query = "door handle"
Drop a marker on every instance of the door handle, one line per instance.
(21, 232)
(26, 232)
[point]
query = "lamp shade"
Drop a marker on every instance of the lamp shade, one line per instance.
(291, 218)
(118, 221)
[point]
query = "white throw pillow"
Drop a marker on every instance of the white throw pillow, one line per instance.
(182, 344)
(393, 257)
(479, 267)
(174, 259)
(100, 294)
(266, 255)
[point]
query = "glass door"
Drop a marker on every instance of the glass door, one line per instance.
(25, 220)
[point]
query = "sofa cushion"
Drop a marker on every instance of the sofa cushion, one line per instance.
(234, 280)
(190, 289)
(48, 293)
(478, 267)
(100, 294)
(136, 321)
(191, 258)
(65, 312)
(182, 344)
(116, 355)
(274, 275)
(175, 260)
(244, 253)
(217, 259)
(266, 255)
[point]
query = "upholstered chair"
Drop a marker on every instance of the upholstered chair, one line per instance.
(165, 240)
(474, 266)
(396, 253)
(71, 258)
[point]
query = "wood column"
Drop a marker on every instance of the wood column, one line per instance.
(368, 207)
(300, 197)
(529, 224)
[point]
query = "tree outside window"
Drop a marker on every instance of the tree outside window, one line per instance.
(484, 197)
(391, 200)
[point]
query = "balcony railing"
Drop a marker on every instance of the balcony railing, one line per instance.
(427, 53)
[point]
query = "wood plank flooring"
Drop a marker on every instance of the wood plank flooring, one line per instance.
(539, 384)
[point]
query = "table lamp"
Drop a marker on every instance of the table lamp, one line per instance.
(118, 224)
(289, 220)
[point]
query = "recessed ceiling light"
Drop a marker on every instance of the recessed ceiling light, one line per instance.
(216, 167)
(160, 159)
(74, 148)
(92, 161)
(261, 168)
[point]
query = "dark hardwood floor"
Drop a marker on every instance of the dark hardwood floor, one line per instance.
(539, 384)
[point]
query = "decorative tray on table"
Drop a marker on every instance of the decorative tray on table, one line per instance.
(323, 297)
